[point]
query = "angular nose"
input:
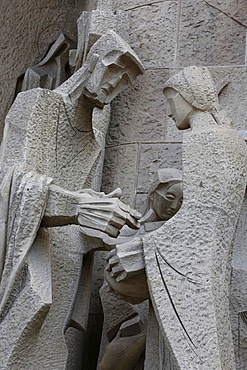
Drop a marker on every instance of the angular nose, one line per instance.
(175, 204)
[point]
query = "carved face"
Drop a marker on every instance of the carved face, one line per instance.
(110, 76)
(167, 201)
(178, 109)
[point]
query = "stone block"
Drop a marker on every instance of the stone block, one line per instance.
(153, 33)
(22, 29)
(235, 9)
(132, 4)
(207, 36)
(120, 171)
(172, 133)
(153, 157)
(138, 114)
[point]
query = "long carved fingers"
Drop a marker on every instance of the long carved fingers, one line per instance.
(114, 266)
(106, 214)
(122, 215)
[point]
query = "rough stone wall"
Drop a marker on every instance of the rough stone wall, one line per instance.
(27, 29)
(168, 35)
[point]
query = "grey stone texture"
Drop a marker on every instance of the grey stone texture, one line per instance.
(167, 35)
(202, 255)
(210, 33)
(52, 134)
(209, 37)
(27, 30)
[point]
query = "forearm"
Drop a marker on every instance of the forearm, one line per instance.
(61, 207)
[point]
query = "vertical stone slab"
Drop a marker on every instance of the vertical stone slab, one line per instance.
(118, 162)
(208, 36)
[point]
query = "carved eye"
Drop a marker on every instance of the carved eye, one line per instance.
(170, 197)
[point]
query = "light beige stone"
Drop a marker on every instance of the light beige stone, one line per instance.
(188, 259)
(139, 113)
(125, 269)
(153, 33)
(153, 157)
(118, 162)
(27, 29)
(45, 134)
(234, 9)
(234, 95)
(209, 37)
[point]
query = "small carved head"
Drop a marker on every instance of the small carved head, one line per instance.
(166, 194)
(113, 66)
(192, 89)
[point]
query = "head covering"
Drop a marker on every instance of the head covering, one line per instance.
(166, 175)
(196, 86)
(112, 45)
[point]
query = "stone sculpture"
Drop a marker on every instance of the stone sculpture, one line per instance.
(50, 145)
(52, 70)
(125, 270)
(188, 259)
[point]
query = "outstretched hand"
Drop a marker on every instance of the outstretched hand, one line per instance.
(105, 212)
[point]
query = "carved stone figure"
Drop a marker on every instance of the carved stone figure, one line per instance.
(125, 270)
(52, 70)
(188, 259)
(50, 145)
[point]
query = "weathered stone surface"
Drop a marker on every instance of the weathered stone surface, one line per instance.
(7, 92)
(51, 133)
(186, 265)
(234, 9)
(22, 47)
(125, 266)
(153, 33)
(153, 157)
(132, 4)
(238, 293)
(188, 259)
(234, 95)
(74, 340)
(139, 113)
(51, 21)
(120, 169)
(209, 37)
(51, 71)
(172, 133)
(116, 311)
(27, 29)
